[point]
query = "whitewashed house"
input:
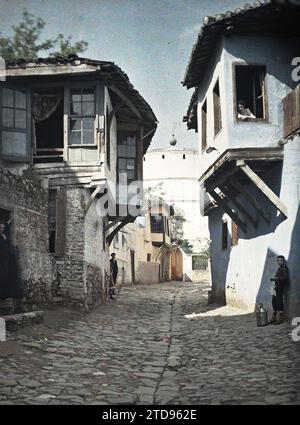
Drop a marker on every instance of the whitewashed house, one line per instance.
(175, 171)
(249, 168)
(143, 248)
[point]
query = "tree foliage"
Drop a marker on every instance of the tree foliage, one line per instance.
(26, 41)
(154, 195)
(65, 47)
(186, 246)
(176, 227)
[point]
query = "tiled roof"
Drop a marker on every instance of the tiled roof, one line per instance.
(109, 71)
(267, 17)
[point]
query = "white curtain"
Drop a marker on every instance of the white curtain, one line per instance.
(44, 105)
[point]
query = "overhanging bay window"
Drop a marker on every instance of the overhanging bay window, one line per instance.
(82, 116)
(127, 153)
(15, 124)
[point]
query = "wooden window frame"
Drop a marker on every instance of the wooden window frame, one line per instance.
(27, 157)
(156, 229)
(70, 116)
(291, 112)
(264, 120)
(217, 109)
(133, 133)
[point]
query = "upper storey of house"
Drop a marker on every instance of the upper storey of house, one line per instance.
(157, 224)
(241, 70)
(76, 114)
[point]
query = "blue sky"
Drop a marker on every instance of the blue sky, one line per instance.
(151, 40)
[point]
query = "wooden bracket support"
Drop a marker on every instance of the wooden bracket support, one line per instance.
(92, 197)
(261, 185)
(239, 206)
(125, 100)
(233, 215)
(125, 220)
(250, 198)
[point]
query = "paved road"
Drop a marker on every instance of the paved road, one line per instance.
(157, 344)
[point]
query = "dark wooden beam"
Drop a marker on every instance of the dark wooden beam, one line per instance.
(239, 206)
(114, 111)
(112, 223)
(125, 220)
(250, 198)
(264, 188)
(93, 196)
(233, 215)
(216, 182)
(125, 99)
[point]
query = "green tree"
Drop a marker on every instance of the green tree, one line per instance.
(26, 43)
(176, 227)
(154, 195)
(186, 246)
(65, 47)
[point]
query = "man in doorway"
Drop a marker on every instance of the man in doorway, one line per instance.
(281, 280)
(113, 275)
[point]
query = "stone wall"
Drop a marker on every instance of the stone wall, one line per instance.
(80, 277)
(27, 200)
(83, 268)
(148, 273)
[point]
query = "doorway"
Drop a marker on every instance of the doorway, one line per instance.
(48, 111)
(132, 263)
(5, 217)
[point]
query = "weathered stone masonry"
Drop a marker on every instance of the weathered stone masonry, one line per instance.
(79, 277)
(82, 270)
(27, 200)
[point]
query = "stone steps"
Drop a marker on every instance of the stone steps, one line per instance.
(15, 321)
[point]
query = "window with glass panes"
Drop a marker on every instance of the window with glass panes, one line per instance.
(82, 116)
(157, 224)
(14, 141)
(127, 155)
(13, 109)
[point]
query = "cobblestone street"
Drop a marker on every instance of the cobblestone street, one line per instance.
(156, 344)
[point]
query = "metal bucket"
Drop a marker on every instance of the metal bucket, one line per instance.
(262, 316)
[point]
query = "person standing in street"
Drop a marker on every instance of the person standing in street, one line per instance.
(10, 282)
(281, 280)
(113, 275)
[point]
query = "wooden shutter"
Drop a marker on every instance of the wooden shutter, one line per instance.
(217, 109)
(234, 234)
(224, 235)
(204, 125)
(109, 117)
(15, 140)
(61, 219)
(291, 112)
